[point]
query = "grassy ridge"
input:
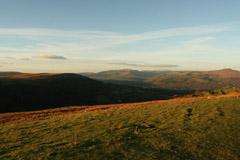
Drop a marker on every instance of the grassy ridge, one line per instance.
(203, 129)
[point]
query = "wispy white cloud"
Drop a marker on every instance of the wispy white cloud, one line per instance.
(67, 41)
(11, 58)
(44, 33)
(26, 49)
(197, 41)
(102, 59)
(146, 65)
(47, 34)
(189, 50)
(6, 63)
(50, 56)
(25, 59)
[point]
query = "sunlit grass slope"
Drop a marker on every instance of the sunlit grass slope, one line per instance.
(200, 129)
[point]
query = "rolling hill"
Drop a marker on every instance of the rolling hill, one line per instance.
(9, 73)
(25, 92)
(195, 128)
(178, 80)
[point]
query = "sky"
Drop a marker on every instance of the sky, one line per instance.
(95, 35)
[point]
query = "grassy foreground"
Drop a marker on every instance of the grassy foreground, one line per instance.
(201, 129)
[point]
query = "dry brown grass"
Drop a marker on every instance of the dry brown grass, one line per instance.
(6, 118)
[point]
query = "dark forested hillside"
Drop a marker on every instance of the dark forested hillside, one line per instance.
(22, 92)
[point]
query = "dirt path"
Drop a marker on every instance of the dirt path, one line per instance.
(6, 118)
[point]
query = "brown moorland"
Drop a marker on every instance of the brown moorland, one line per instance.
(30, 75)
(175, 80)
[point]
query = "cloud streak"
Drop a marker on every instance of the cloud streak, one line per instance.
(25, 59)
(146, 65)
(11, 58)
(6, 63)
(75, 41)
(198, 41)
(48, 34)
(50, 56)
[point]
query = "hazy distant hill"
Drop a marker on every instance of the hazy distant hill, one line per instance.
(9, 73)
(180, 80)
(21, 92)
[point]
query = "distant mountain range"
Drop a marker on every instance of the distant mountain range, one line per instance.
(178, 80)
(9, 73)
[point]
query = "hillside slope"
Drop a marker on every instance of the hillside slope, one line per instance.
(178, 80)
(199, 129)
(9, 73)
(25, 92)
(6, 118)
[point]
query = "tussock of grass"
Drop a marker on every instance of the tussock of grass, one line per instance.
(205, 129)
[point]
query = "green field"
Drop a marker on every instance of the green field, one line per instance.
(200, 129)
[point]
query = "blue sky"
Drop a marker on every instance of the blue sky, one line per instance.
(97, 35)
